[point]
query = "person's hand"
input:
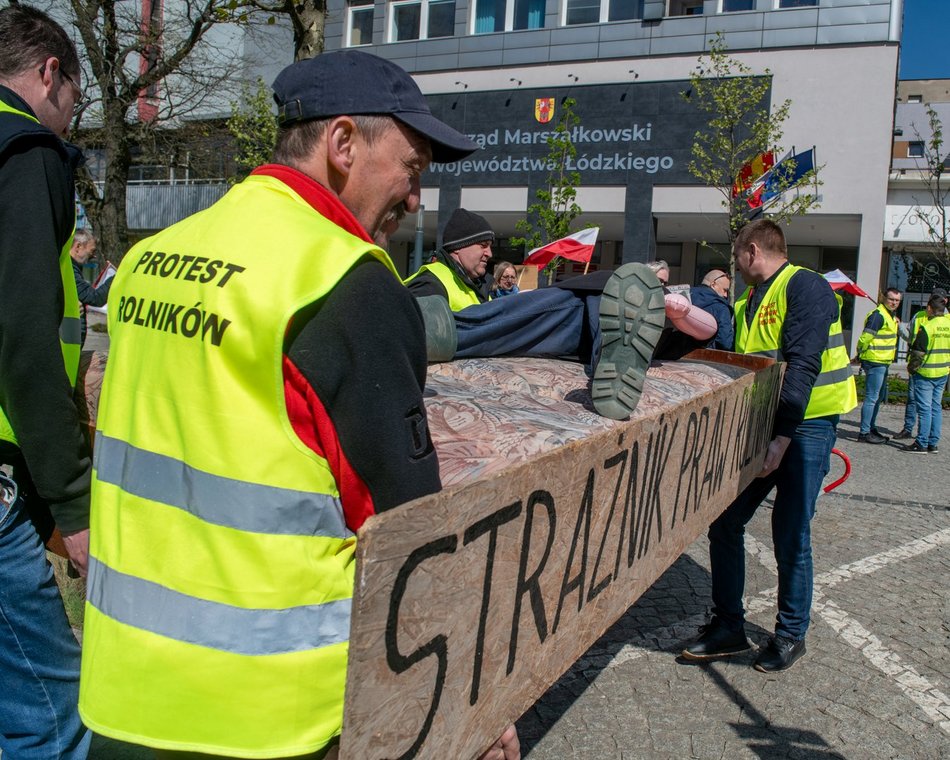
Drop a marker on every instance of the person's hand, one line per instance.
(77, 547)
(506, 748)
(774, 455)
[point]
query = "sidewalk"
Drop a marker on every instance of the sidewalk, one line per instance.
(874, 682)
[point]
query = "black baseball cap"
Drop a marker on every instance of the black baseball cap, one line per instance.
(352, 83)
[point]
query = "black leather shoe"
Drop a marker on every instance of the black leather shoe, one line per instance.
(871, 437)
(915, 448)
(878, 432)
(904, 435)
(715, 640)
(780, 654)
(931, 449)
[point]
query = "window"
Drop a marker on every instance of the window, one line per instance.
(796, 3)
(731, 6)
(685, 8)
(600, 11)
(915, 98)
(421, 20)
(507, 15)
(915, 149)
(360, 24)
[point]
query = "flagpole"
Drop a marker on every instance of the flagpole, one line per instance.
(586, 266)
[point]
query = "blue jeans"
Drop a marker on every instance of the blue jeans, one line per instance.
(875, 388)
(910, 411)
(39, 658)
(929, 392)
(797, 483)
(545, 322)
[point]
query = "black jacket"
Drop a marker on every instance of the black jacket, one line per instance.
(37, 210)
(89, 296)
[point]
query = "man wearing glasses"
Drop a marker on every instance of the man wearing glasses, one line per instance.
(46, 462)
(713, 296)
(877, 347)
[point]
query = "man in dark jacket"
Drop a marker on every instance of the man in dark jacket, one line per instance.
(712, 296)
(46, 460)
(83, 248)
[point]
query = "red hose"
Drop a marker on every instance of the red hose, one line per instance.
(847, 471)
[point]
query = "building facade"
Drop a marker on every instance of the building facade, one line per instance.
(916, 235)
(495, 69)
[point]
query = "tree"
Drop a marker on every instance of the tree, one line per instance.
(551, 217)
(253, 127)
(932, 213)
(741, 126)
(307, 17)
(148, 68)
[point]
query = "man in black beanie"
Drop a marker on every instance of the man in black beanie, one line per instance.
(459, 271)
(611, 321)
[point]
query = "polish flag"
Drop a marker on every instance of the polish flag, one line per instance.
(576, 247)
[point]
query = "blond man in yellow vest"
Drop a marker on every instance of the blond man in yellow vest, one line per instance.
(47, 461)
(263, 399)
(789, 313)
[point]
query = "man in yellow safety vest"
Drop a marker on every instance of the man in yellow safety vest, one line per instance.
(791, 314)
(263, 398)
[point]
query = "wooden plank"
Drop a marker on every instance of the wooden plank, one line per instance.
(471, 602)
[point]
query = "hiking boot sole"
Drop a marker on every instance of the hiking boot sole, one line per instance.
(632, 315)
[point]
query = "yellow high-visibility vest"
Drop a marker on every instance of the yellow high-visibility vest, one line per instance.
(221, 568)
(936, 361)
(883, 346)
(834, 391)
(460, 295)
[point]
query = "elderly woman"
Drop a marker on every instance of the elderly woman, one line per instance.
(505, 278)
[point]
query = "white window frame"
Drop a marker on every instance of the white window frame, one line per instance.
(350, 9)
(423, 20)
(509, 19)
(604, 17)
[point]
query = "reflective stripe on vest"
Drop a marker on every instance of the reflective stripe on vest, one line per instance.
(460, 295)
(69, 328)
(936, 361)
(834, 391)
(883, 346)
(221, 565)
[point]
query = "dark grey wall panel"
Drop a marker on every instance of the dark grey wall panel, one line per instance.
(789, 37)
(840, 35)
(481, 59)
(624, 49)
(478, 42)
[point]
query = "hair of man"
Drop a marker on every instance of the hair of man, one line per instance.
(938, 304)
(28, 37)
(296, 140)
(713, 276)
(767, 236)
(82, 236)
(658, 266)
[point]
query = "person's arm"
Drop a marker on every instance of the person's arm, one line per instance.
(36, 217)
(89, 295)
(811, 310)
(725, 339)
(918, 350)
(362, 352)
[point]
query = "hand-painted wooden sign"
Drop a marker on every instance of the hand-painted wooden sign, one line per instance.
(471, 602)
